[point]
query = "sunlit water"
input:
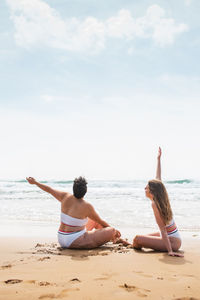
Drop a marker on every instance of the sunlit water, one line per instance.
(121, 203)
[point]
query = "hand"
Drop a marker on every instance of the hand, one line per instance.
(159, 153)
(171, 253)
(117, 234)
(31, 180)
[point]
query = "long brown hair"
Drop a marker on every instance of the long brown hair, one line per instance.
(161, 199)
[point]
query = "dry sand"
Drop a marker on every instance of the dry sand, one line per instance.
(31, 269)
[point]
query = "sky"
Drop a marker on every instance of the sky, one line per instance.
(93, 88)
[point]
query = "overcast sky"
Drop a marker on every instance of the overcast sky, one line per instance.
(94, 87)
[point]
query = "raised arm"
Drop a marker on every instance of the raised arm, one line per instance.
(59, 195)
(158, 167)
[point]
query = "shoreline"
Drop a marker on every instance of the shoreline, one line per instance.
(24, 229)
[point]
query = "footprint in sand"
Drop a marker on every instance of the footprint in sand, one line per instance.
(187, 298)
(31, 281)
(44, 283)
(143, 274)
(188, 275)
(102, 278)
(44, 258)
(132, 288)
(6, 266)
(47, 296)
(13, 281)
(40, 283)
(105, 276)
(62, 294)
(129, 288)
(75, 280)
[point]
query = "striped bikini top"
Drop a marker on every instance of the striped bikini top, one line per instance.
(171, 227)
(71, 221)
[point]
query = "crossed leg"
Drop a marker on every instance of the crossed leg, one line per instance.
(92, 224)
(155, 242)
(95, 238)
(154, 234)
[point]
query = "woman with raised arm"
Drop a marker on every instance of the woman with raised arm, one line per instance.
(168, 239)
(75, 211)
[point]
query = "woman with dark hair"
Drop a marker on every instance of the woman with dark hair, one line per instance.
(78, 218)
(168, 239)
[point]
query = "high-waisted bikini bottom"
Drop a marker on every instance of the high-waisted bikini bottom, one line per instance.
(176, 234)
(65, 239)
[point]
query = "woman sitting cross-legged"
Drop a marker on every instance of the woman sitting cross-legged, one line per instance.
(75, 231)
(168, 239)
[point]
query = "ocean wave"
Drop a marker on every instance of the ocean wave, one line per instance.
(41, 181)
(58, 181)
(180, 181)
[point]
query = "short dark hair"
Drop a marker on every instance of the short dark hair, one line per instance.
(79, 187)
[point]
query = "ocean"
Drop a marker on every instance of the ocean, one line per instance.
(26, 210)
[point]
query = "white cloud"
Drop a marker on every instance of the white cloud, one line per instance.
(37, 24)
(153, 25)
(121, 26)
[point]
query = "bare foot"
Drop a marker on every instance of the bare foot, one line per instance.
(136, 246)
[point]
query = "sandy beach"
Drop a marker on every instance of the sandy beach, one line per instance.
(32, 268)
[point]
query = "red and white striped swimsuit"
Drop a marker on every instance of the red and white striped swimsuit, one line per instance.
(66, 238)
(172, 229)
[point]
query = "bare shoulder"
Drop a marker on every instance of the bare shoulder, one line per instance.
(88, 205)
(66, 197)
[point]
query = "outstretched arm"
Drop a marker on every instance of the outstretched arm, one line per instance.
(158, 168)
(59, 195)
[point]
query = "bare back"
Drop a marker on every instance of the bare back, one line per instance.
(76, 208)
